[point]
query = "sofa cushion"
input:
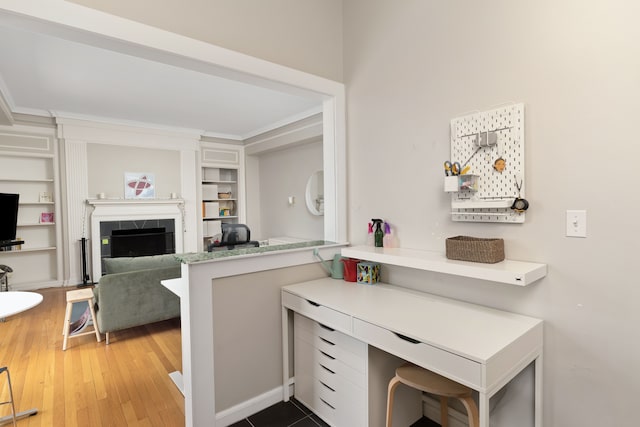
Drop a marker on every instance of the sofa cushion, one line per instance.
(125, 264)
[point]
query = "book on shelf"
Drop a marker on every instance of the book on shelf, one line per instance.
(46, 218)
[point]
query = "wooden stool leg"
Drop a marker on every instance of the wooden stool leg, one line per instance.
(390, 394)
(444, 411)
(472, 410)
(67, 323)
(95, 321)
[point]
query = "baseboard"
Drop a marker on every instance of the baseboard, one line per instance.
(431, 410)
(248, 407)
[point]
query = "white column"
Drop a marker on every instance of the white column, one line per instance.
(77, 215)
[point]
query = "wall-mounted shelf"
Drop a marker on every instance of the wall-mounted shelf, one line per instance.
(518, 273)
(28, 250)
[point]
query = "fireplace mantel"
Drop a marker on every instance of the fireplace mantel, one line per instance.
(132, 210)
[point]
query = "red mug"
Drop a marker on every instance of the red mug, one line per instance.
(350, 269)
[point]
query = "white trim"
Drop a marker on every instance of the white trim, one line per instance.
(128, 135)
(63, 116)
(248, 407)
(284, 122)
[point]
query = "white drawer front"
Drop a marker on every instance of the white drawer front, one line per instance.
(457, 368)
(333, 319)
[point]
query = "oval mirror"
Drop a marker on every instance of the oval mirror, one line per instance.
(315, 193)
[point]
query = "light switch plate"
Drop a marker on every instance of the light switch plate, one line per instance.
(576, 223)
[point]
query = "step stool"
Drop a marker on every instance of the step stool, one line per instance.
(73, 297)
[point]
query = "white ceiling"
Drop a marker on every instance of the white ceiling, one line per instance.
(49, 76)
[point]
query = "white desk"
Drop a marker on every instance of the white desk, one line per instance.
(13, 303)
(480, 347)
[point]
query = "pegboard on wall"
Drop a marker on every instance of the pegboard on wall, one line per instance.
(491, 145)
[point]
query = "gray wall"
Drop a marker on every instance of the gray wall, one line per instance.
(284, 173)
(306, 35)
(107, 165)
(411, 66)
(248, 358)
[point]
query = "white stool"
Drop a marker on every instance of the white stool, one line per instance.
(79, 296)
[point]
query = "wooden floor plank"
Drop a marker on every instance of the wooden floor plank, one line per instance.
(90, 384)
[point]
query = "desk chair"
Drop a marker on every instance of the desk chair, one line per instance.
(430, 382)
(13, 407)
(4, 278)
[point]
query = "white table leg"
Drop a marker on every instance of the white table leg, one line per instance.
(285, 354)
(483, 409)
(538, 391)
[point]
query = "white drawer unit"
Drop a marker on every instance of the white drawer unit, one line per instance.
(330, 373)
(327, 316)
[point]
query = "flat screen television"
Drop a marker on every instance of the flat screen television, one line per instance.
(8, 216)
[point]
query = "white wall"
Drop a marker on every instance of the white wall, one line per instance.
(306, 35)
(107, 165)
(282, 174)
(411, 66)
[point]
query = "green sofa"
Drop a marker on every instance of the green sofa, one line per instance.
(130, 293)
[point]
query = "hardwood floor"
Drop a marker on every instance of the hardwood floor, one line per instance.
(90, 384)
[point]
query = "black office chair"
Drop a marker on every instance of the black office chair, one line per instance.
(4, 280)
(234, 236)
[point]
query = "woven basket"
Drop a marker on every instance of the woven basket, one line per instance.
(224, 195)
(475, 249)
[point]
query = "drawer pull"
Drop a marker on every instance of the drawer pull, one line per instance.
(315, 304)
(325, 402)
(327, 341)
(327, 369)
(326, 327)
(332, 389)
(406, 338)
(328, 355)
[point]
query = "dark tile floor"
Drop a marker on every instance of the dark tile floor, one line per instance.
(295, 414)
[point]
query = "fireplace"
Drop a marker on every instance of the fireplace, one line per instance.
(134, 228)
(136, 238)
(145, 242)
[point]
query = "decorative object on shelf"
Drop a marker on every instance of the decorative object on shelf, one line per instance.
(46, 218)
(139, 185)
(350, 271)
(226, 195)
(474, 249)
(368, 272)
(45, 197)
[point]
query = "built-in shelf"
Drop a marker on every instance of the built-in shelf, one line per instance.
(36, 203)
(208, 218)
(26, 179)
(38, 224)
(519, 273)
(27, 250)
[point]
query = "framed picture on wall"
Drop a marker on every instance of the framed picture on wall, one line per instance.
(139, 185)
